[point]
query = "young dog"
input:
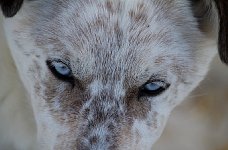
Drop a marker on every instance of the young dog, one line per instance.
(105, 74)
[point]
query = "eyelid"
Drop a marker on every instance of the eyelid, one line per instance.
(65, 62)
(158, 82)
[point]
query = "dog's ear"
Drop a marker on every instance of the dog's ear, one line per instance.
(206, 11)
(10, 7)
(222, 6)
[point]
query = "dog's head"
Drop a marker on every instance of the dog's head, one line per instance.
(105, 74)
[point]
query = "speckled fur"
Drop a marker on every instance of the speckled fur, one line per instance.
(113, 48)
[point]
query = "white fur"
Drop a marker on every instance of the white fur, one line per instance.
(184, 51)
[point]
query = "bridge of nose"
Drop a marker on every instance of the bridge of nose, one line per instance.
(101, 116)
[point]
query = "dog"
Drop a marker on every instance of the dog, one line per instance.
(106, 74)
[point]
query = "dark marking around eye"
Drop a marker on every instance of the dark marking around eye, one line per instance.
(60, 70)
(153, 88)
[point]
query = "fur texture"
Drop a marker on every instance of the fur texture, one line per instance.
(112, 48)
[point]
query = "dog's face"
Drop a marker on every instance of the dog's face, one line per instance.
(105, 74)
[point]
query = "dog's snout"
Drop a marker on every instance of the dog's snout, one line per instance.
(98, 134)
(100, 118)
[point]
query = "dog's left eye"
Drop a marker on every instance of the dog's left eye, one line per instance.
(60, 70)
(153, 88)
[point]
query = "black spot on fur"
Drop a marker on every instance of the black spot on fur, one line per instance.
(10, 7)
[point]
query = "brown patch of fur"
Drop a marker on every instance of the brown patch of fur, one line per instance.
(109, 6)
(139, 14)
(137, 107)
(71, 100)
(159, 60)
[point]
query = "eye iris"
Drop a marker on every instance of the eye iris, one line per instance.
(62, 69)
(152, 87)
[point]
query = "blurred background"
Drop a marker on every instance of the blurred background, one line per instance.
(199, 123)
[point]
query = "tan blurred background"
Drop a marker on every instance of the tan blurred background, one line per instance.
(199, 123)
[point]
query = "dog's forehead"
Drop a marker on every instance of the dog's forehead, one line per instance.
(118, 34)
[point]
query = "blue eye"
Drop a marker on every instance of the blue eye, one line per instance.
(153, 88)
(60, 70)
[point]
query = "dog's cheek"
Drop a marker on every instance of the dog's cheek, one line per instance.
(144, 132)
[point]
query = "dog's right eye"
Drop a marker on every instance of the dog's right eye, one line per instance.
(60, 70)
(153, 88)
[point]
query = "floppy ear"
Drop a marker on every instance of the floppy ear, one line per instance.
(222, 6)
(10, 7)
(206, 11)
